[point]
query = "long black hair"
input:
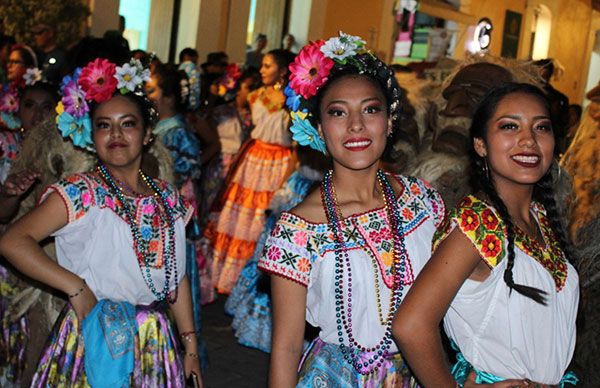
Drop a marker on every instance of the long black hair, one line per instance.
(543, 190)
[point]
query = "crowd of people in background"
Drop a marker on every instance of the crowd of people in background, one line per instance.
(262, 181)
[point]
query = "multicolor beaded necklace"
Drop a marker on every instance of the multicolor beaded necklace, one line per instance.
(366, 363)
(138, 240)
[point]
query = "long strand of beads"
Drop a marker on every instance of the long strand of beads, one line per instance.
(139, 247)
(343, 317)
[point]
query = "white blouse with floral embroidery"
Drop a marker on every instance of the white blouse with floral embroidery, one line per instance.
(302, 251)
(97, 243)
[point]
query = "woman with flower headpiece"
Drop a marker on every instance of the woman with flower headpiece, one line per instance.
(260, 169)
(120, 240)
(344, 258)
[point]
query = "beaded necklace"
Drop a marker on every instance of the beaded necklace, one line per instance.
(368, 362)
(138, 245)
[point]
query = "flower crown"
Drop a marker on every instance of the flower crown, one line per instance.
(97, 81)
(311, 70)
(227, 83)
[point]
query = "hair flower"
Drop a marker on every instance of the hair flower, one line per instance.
(98, 80)
(293, 100)
(342, 47)
(131, 76)
(309, 70)
(9, 100)
(304, 133)
(32, 75)
(78, 129)
(74, 100)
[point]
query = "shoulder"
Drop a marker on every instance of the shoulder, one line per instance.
(289, 251)
(78, 192)
(480, 223)
(409, 186)
(311, 208)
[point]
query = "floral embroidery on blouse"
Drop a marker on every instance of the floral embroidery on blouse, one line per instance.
(295, 243)
(80, 192)
(261, 94)
(482, 226)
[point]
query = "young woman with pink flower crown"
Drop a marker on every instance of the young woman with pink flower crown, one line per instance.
(344, 258)
(120, 241)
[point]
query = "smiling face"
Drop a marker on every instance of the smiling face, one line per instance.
(519, 141)
(118, 133)
(354, 122)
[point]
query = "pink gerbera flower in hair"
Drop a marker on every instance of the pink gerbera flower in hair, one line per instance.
(98, 80)
(309, 70)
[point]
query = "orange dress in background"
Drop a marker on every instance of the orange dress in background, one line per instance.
(260, 171)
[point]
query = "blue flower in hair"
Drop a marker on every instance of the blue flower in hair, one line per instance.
(304, 133)
(78, 129)
(293, 100)
(68, 78)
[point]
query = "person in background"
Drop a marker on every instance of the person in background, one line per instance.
(289, 43)
(188, 54)
(254, 56)
(51, 58)
(262, 166)
(6, 42)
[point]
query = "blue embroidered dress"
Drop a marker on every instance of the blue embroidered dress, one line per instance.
(184, 148)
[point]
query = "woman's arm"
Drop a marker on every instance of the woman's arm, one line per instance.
(416, 323)
(289, 309)
(20, 247)
(182, 311)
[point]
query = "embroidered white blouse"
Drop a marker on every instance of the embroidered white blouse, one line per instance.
(97, 244)
(503, 332)
(303, 252)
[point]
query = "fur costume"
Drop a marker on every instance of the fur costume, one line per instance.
(582, 162)
(44, 150)
(446, 171)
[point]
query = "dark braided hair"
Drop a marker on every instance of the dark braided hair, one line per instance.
(543, 191)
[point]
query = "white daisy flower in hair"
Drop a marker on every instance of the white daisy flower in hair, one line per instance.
(32, 75)
(127, 77)
(340, 47)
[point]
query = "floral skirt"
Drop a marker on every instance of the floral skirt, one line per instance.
(14, 335)
(235, 230)
(157, 359)
(323, 365)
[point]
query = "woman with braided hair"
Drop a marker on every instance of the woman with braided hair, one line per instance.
(345, 256)
(499, 274)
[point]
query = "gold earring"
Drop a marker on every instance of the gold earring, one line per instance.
(278, 85)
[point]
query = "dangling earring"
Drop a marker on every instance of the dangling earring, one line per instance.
(486, 169)
(278, 85)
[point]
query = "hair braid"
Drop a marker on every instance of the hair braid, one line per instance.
(487, 186)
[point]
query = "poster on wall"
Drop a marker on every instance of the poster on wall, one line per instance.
(510, 35)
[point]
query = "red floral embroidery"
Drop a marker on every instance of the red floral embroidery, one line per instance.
(489, 219)
(469, 220)
(378, 235)
(274, 253)
(407, 214)
(491, 246)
